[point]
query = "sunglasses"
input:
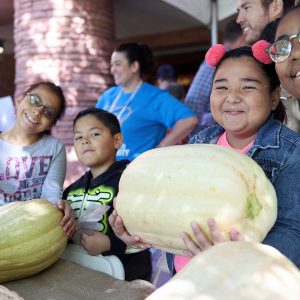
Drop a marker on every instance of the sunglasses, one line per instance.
(36, 101)
(282, 48)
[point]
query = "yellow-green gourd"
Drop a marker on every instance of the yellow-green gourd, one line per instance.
(31, 238)
(164, 189)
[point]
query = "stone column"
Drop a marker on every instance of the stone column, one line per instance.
(68, 42)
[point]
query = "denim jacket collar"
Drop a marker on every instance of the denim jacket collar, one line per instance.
(263, 139)
(268, 136)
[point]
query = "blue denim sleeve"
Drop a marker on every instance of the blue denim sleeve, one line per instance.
(285, 234)
(170, 262)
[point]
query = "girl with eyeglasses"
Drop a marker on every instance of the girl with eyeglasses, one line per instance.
(33, 163)
(285, 51)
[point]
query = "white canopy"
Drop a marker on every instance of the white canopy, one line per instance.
(208, 12)
(201, 9)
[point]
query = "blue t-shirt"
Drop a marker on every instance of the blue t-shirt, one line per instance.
(145, 116)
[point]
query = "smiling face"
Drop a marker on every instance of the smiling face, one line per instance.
(253, 18)
(34, 119)
(94, 144)
(289, 70)
(241, 100)
(122, 70)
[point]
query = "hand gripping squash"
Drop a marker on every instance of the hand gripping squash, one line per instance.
(234, 270)
(31, 238)
(164, 189)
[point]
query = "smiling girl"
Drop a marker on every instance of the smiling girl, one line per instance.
(33, 163)
(245, 104)
(285, 51)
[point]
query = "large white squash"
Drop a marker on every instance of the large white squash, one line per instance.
(234, 271)
(164, 189)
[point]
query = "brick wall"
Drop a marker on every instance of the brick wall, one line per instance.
(68, 42)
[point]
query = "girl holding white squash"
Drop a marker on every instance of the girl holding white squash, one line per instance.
(33, 163)
(285, 52)
(245, 103)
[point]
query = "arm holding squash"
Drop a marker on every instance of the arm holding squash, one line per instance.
(68, 220)
(201, 242)
(120, 231)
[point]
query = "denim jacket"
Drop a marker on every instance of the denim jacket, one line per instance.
(277, 150)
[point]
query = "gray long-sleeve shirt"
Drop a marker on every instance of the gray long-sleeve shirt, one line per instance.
(33, 171)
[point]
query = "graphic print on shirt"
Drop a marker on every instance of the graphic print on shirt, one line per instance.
(123, 151)
(79, 200)
(23, 178)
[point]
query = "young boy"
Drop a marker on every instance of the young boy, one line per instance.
(97, 138)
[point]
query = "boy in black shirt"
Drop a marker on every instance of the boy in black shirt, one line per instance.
(97, 138)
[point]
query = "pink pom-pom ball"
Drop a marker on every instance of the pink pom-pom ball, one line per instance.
(259, 52)
(215, 54)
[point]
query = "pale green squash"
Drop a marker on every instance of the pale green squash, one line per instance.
(31, 238)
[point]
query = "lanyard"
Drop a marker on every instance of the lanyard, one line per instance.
(113, 106)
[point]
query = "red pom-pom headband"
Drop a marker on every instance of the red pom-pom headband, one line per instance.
(214, 55)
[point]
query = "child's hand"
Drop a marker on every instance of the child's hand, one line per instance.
(68, 220)
(202, 242)
(94, 242)
(120, 231)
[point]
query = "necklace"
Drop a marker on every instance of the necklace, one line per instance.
(114, 106)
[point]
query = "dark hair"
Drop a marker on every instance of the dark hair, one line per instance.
(55, 89)
(177, 90)
(166, 72)
(291, 9)
(287, 4)
(269, 32)
(232, 30)
(108, 119)
(268, 70)
(140, 53)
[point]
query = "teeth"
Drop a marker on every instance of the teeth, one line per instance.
(297, 74)
(32, 120)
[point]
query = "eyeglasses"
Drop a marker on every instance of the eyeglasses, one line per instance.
(36, 101)
(282, 48)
